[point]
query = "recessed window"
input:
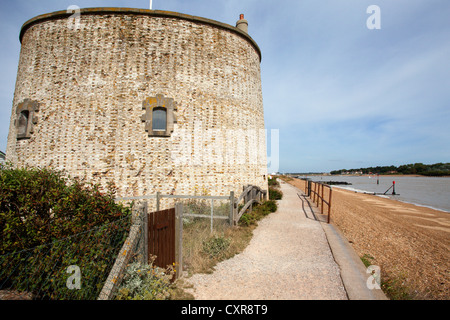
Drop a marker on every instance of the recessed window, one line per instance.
(159, 116)
(26, 118)
(23, 123)
(159, 119)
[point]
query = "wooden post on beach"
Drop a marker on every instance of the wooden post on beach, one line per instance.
(329, 204)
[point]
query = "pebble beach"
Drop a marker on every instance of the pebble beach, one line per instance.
(409, 243)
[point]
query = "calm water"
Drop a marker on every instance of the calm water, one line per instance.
(431, 192)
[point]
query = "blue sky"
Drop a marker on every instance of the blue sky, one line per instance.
(341, 95)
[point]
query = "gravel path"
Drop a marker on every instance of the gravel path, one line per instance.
(288, 258)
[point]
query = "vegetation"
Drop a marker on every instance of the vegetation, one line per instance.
(393, 287)
(259, 212)
(216, 246)
(438, 169)
(48, 223)
(146, 282)
(275, 194)
(273, 182)
(38, 206)
(274, 189)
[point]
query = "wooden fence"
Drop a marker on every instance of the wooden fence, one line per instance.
(250, 196)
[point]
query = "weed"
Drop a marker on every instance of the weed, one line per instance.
(395, 287)
(216, 246)
(145, 282)
(367, 260)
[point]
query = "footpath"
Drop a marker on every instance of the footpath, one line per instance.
(293, 255)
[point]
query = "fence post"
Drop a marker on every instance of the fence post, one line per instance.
(231, 208)
(125, 254)
(329, 204)
(145, 232)
(179, 239)
(321, 207)
(212, 214)
(158, 196)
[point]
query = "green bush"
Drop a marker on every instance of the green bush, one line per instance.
(273, 182)
(38, 206)
(258, 212)
(145, 282)
(49, 222)
(271, 206)
(275, 194)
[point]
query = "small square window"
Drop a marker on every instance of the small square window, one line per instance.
(159, 116)
(159, 119)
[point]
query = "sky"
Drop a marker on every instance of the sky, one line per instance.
(341, 95)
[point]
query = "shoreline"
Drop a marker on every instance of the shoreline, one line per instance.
(410, 243)
(368, 175)
(387, 197)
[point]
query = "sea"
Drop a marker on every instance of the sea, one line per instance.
(431, 192)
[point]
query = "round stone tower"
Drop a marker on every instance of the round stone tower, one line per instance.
(149, 100)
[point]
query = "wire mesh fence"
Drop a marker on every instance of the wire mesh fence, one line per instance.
(213, 212)
(73, 268)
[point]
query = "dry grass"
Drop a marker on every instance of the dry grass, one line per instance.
(196, 260)
(196, 236)
(201, 247)
(408, 242)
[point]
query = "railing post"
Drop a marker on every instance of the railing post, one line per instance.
(179, 238)
(158, 196)
(321, 207)
(231, 208)
(145, 232)
(212, 214)
(329, 204)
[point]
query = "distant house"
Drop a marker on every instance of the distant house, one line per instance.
(2, 157)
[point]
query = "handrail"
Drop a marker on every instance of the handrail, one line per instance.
(254, 197)
(244, 193)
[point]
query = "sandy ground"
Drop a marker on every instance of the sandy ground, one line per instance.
(288, 258)
(407, 242)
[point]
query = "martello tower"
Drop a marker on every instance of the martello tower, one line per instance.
(150, 100)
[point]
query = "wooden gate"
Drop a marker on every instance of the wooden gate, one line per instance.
(161, 237)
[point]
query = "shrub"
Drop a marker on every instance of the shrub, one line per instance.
(273, 182)
(38, 206)
(145, 282)
(49, 222)
(216, 246)
(258, 212)
(271, 205)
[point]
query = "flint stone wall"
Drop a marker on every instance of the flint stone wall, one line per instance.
(91, 78)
